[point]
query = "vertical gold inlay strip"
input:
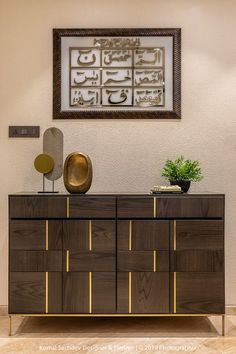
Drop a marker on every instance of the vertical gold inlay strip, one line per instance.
(67, 260)
(67, 207)
(130, 292)
(90, 235)
(154, 261)
(46, 302)
(90, 292)
(174, 292)
(46, 246)
(130, 235)
(154, 207)
(174, 242)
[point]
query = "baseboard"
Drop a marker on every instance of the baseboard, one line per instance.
(229, 310)
(3, 310)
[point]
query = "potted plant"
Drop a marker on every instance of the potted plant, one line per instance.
(181, 172)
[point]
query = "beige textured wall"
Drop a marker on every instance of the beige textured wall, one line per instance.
(127, 155)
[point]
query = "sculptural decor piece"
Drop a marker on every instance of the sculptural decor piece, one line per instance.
(117, 73)
(78, 172)
(44, 163)
(53, 146)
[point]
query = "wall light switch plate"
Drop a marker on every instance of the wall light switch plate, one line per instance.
(24, 131)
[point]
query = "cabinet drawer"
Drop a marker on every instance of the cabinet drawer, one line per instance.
(190, 207)
(96, 235)
(35, 234)
(143, 261)
(28, 293)
(35, 261)
(197, 234)
(92, 207)
(143, 292)
(38, 207)
(89, 292)
(197, 261)
(135, 207)
(143, 235)
(171, 207)
(200, 292)
(89, 261)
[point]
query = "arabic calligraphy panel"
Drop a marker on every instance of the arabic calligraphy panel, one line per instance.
(83, 97)
(117, 77)
(149, 97)
(149, 77)
(99, 73)
(117, 97)
(121, 57)
(149, 57)
(85, 77)
(85, 57)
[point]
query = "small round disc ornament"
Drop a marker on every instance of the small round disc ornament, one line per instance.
(44, 163)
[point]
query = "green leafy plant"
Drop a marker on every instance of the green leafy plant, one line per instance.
(181, 169)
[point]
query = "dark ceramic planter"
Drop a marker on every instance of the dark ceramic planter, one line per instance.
(184, 185)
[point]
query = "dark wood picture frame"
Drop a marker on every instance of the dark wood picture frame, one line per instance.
(175, 113)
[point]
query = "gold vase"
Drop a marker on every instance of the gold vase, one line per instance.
(78, 173)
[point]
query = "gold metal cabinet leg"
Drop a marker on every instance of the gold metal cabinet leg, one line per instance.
(10, 325)
(223, 325)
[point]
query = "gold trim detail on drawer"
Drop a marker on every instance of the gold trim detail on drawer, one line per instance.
(67, 207)
(174, 295)
(130, 292)
(154, 207)
(90, 292)
(46, 231)
(90, 235)
(174, 235)
(130, 235)
(67, 260)
(154, 261)
(46, 292)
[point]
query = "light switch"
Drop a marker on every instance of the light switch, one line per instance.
(24, 131)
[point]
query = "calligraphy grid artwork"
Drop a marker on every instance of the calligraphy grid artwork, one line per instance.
(116, 73)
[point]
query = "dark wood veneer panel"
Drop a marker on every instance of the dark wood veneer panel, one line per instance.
(92, 207)
(91, 261)
(75, 292)
(200, 292)
(142, 261)
(37, 207)
(76, 235)
(199, 234)
(27, 234)
(197, 261)
(149, 292)
(146, 235)
(55, 292)
(35, 261)
(190, 207)
(27, 292)
(103, 292)
(135, 207)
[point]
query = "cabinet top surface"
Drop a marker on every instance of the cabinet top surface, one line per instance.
(118, 194)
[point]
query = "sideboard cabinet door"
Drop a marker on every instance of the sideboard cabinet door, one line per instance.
(35, 281)
(143, 266)
(89, 266)
(197, 266)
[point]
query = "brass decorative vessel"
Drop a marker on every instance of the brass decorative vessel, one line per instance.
(78, 173)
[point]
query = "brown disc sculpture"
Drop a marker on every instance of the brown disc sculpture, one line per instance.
(78, 173)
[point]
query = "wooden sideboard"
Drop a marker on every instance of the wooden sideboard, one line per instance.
(116, 255)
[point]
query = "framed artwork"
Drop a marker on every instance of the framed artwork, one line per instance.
(117, 73)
